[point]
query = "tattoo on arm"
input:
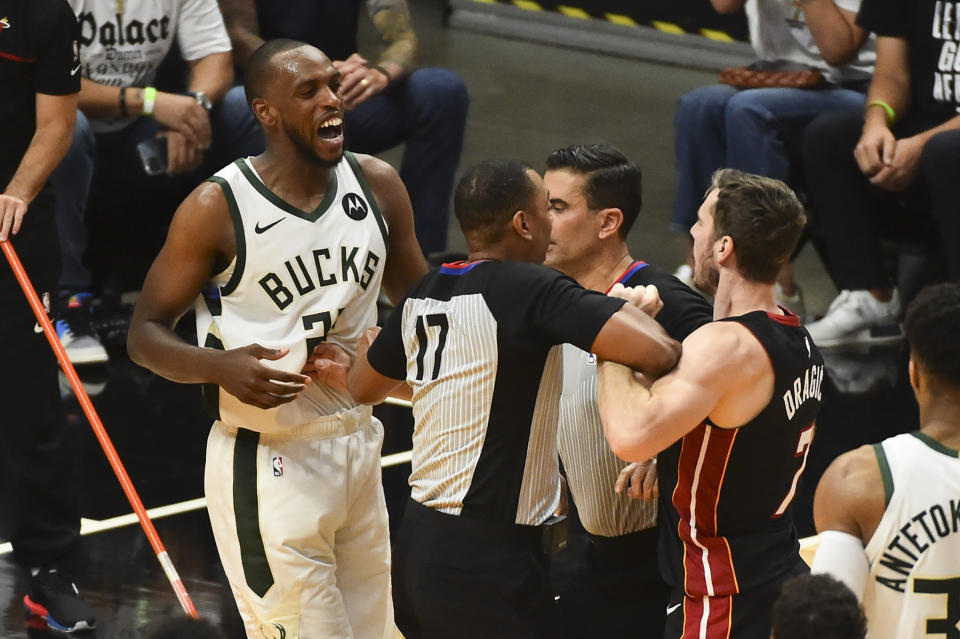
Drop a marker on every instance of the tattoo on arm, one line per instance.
(392, 20)
(240, 17)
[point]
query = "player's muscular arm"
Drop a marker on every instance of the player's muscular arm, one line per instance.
(847, 507)
(405, 263)
(850, 496)
(633, 338)
(240, 17)
(199, 243)
(718, 375)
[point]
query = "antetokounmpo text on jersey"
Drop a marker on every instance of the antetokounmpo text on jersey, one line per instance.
(922, 531)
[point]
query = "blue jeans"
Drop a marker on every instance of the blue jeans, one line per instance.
(111, 160)
(428, 113)
(754, 130)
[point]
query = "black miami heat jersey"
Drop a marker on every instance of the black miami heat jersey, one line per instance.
(478, 344)
(726, 494)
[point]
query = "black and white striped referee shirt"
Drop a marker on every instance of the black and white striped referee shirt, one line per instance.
(476, 342)
(590, 465)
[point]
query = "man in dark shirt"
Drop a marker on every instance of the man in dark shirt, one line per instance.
(615, 585)
(387, 103)
(39, 73)
(476, 341)
(902, 153)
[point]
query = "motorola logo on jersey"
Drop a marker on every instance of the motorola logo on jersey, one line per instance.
(354, 206)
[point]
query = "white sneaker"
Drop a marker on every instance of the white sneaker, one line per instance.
(794, 303)
(82, 348)
(862, 368)
(857, 317)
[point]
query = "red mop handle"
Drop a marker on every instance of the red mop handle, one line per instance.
(99, 430)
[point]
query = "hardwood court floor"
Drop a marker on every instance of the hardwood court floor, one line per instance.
(160, 432)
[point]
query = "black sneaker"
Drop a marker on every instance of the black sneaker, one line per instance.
(54, 597)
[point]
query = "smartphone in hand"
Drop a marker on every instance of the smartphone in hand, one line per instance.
(153, 155)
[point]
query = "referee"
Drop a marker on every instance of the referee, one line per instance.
(615, 586)
(476, 342)
(40, 80)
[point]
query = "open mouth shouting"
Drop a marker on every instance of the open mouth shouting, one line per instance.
(330, 130)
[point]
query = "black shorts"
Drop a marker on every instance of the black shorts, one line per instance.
(614, 587)
(748, 615)
(469, 578)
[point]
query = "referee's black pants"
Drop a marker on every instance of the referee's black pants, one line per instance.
(39, 490)
(462, 577)
(616, 589)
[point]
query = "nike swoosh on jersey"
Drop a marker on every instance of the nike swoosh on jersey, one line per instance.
(263, 229)
(672, 609)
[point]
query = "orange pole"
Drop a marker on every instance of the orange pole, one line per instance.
(99, 430)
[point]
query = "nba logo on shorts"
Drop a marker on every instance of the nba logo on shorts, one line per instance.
(278, 466)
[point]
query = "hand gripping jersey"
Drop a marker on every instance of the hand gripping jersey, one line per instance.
(590, 465)
(299, 278)
(914, 584)
(726, 494)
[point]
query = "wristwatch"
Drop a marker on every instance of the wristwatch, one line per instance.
(202, 99)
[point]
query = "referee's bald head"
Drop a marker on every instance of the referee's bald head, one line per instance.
(488, 196)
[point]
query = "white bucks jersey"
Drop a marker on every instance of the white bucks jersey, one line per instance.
(299, 278)
(592, 468)
(914, 584)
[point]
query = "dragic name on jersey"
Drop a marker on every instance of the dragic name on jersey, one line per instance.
(803, 389)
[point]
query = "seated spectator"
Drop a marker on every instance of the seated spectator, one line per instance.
(387, 103)
(121, 45)
(902, 154)
(887, 513)
(817, 607)
(759, 130)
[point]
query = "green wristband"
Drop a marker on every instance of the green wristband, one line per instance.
(149, 100)
(891, 114)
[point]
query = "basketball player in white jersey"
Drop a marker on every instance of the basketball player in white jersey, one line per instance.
(289, 249)
(889, 514)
